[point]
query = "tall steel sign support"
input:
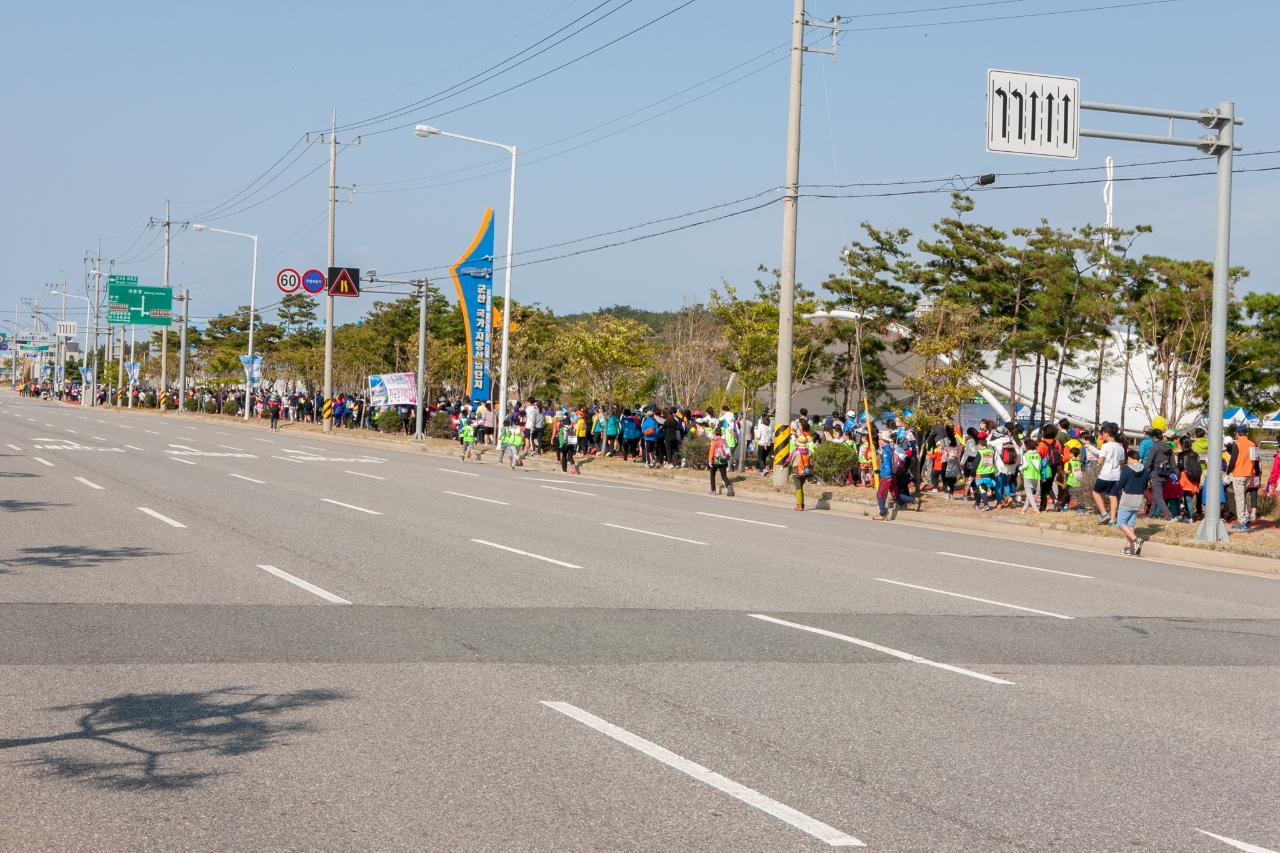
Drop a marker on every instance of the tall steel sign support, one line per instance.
(1022, 120)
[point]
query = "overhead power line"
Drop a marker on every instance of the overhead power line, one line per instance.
(1129, 5)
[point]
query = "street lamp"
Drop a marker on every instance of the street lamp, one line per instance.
(253, 296)
(424, 130)
(87, 303)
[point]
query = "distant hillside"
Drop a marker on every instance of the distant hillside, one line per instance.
(656, 320)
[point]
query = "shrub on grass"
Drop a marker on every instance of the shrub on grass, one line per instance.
(832, 462)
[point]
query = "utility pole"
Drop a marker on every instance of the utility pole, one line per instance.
(185, 296)
(790, 217)
(97, 274)
(164, 330)
(328, 298)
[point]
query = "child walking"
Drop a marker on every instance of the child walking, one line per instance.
(718, 455)
(1031, 477)
(467, 435)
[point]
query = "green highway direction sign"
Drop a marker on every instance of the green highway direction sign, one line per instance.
(128, 303)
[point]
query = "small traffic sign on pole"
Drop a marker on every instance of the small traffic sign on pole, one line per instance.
(1036, 114)
(344, 281)
(313, 281)
(288, 280)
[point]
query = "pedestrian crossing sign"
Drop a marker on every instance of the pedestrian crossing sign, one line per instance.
(344, 281)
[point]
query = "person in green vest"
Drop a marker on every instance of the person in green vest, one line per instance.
(1072, 470)
(467, 435)
(1031, 477)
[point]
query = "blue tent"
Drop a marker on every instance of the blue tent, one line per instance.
(1239, 415)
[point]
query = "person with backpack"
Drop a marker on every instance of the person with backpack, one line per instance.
(800, 461)
(985, 475)
(969, 460)
(764, 445)
(1071, 478)
(1031, 476)
(1051, 462)
(718, 455)
(467, 435)
(566, 441)
(887, 491)
(1160, 463)
(1189, 474)
(1004, 447)
(671, 436)
(951, 464)
(274, 406)
(650, 431)
(1134, 477)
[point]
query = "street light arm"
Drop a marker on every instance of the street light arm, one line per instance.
(424, 131)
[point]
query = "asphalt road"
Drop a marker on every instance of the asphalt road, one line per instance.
(215, 637)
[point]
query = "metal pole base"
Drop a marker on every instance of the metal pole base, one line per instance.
(1215, 533)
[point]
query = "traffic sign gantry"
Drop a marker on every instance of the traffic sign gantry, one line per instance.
(139, 306)
(1036, 114)
(313, 281)
(288, 280)
(344, 281)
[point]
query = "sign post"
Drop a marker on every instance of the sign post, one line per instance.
(1011, 121)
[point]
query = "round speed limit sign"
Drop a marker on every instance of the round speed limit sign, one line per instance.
(288, 280)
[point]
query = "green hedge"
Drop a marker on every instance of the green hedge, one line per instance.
(191, 405)
(438, 426)
(832, 462)
(388, 420)
(211, 407)
(230, 409)
(694, 450)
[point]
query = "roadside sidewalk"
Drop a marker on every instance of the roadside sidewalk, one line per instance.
(1242, 554)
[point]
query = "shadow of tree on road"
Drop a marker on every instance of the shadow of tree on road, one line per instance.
(77, 556)
(9, 505)
(157, 738)
(17, 474)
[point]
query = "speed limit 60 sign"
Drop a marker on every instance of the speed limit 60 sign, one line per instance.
(288, 280)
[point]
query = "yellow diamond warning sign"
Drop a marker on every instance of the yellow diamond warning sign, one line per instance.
(344, 281)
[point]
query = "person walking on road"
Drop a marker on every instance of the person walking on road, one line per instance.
(1106, 488)
(273, 406)
(565, 439)
(718, 454)
(1133, 481)
(799, 460)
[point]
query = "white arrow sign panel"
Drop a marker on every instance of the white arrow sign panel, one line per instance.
(1036, 114)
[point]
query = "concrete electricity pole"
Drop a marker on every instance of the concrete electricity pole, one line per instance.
(185, 296)
(328, 298)
(790, 218)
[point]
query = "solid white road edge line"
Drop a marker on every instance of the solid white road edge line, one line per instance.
(570, 491)
(526, 553)
(471, 497)
(309, 587)
(250, 479)
(87, 483)
(1015, 565)
(879, 648)
(654, 533)
(975, 598)
(746, 520)
(1239, 845)
(43, 461)
(456, 471)
(351, 506)
(823, 832)
(166, 519)
(361, 474)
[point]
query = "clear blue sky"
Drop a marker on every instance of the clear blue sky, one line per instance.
(113, 107)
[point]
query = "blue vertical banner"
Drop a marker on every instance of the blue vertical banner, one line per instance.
(473, 276)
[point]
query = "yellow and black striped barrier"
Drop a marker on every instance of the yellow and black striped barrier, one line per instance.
(119, 396)
(328, 410)
(781, 443)
(164, 401)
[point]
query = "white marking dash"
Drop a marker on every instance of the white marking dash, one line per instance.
(1239, 845)
(825, 833)
(653, 533)
(570, 491)
(250, 479)
(89, 484)
(309, 587)
(166, 519)
(183, 461)
(526, 553)
(43, 461)
(744, 520)
(362, 474)
(907, 656)
(351, 506)
(475, 498)
(1015, 565)
(456, 471)
(975, 598)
